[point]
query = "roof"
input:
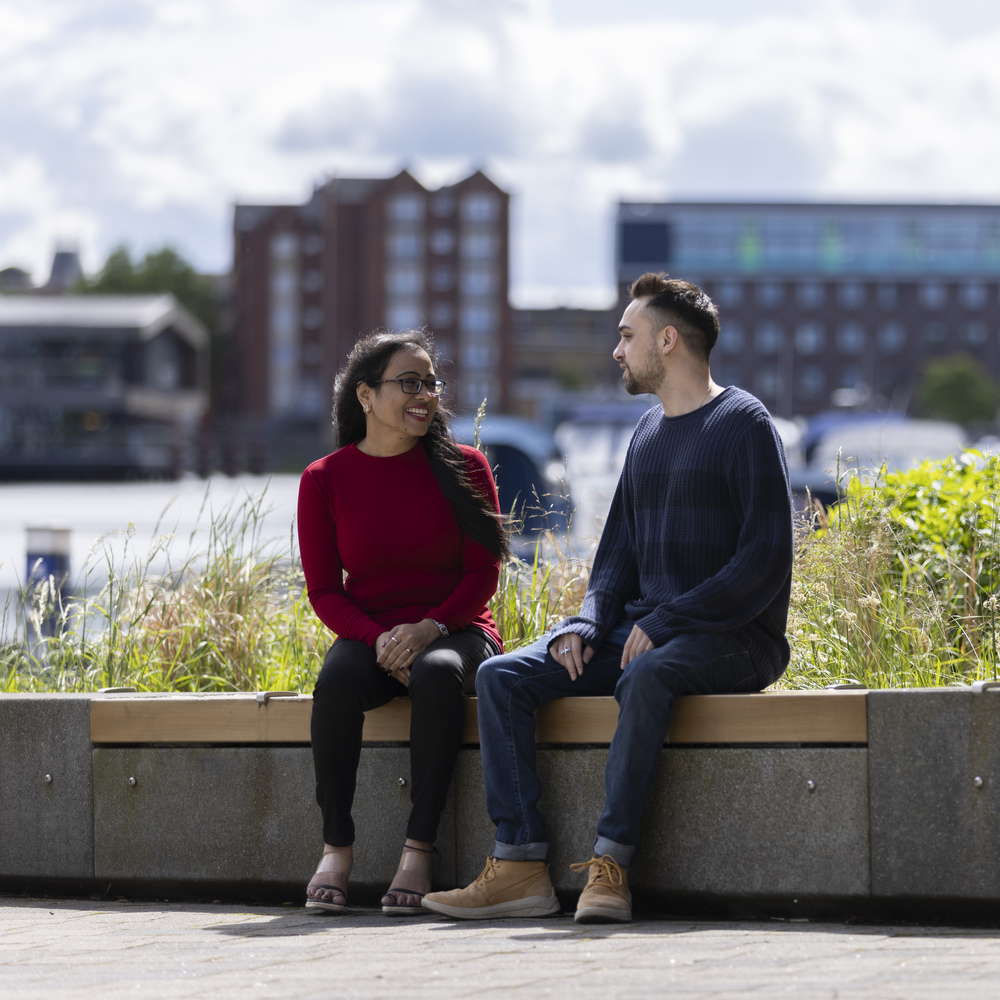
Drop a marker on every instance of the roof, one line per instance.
(148, 314)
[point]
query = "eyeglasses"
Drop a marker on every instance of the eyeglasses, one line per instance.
(434, 386)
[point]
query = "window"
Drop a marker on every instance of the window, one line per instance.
(480, 207)
(933, 295)
(404, 245)
(887, 296)
(810, 295)
(851, 338)
(850, 377)
(403, 315)
(810, 381)
(284, 246)
(479, 246)
(475, 391)
(891, 337)
(312, 244)
(404, 279)
(478, 319)
(729, 293)
(933, 334)
(312, 281)
(443, 240)
(645, 243)
(769, 338)
(975, 334)
(731, 339)
(476, 357)
(443, 204)
(767, 382)
(283, 282)
(851, 295)
(478, 281)
(730, 373)
(405, 207)
(312, 318)
(442, 314)
(972, 295)
(770, 294)
(284, 319)
(810, 338)
(442, 278)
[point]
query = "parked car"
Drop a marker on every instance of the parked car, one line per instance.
(529, 472)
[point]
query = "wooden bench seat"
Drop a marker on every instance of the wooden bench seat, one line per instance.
(773, 717)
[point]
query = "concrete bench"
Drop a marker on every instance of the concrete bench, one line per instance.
(785, 803)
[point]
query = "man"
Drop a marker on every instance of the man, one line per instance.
(688, 595)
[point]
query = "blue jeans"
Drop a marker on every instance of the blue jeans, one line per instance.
(512, 686)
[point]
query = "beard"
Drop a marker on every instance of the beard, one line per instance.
(647, 378)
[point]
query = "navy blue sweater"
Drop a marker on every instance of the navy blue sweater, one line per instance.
(699, 535)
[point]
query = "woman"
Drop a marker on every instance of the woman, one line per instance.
(414, 521)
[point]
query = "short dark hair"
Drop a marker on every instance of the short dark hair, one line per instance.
(678, 303)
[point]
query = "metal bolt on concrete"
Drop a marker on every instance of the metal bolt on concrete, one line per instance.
(81, 950)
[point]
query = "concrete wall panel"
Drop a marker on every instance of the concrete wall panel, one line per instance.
(935, 829)
(46, 828)
(745, 822)
(242, 814)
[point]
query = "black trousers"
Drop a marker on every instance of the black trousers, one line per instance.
(350, 684)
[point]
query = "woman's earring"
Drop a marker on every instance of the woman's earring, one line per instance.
(367, 408)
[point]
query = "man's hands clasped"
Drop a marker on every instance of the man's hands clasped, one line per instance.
(396, 649)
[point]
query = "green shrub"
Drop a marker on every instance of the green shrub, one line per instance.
(896, 585)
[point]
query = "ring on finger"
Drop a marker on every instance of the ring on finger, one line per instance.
(408, 649)
(565, 649)
(392, 638)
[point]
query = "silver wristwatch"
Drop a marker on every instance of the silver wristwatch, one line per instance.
(443, 629)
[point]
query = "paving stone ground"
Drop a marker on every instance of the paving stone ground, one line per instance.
(84, 950)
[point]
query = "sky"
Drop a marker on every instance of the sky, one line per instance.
(143, 121)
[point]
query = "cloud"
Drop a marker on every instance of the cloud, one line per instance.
(143, 120)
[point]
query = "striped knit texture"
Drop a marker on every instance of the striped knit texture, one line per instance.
(699, 535)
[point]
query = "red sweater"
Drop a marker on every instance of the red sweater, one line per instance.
(386, 522)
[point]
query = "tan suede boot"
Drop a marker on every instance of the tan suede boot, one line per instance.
(606, 896)
(504, 889)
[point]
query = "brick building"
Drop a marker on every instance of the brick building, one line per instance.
(828, 302)
(359, 255)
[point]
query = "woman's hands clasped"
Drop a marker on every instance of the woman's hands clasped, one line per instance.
(396, 649)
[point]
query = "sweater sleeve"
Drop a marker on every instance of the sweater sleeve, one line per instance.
(323, 568)
(614, 577)
(480, 568)
(744, 587)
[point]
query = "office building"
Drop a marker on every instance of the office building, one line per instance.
(828, 303)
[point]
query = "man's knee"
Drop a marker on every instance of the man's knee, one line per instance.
(492, 676)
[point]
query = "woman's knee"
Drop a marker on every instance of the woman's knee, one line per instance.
(437, 669)
(344, 672)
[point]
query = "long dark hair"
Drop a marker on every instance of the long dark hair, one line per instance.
(366, 364)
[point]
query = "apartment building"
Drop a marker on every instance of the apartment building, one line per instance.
(359, 255)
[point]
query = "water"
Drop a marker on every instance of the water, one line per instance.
(96, 511)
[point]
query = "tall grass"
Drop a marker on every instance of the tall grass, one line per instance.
(895, 586)
(225, 612)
